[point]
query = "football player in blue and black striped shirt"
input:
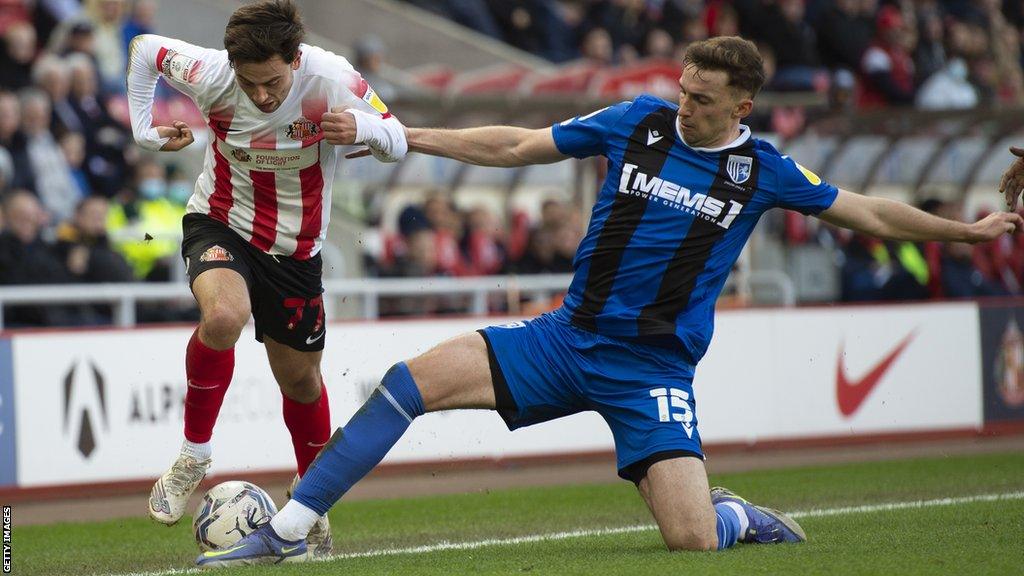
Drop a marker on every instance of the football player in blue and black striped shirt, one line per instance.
(686, 184)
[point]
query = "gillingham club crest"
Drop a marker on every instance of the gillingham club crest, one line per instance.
(738, 168)
(302, 129)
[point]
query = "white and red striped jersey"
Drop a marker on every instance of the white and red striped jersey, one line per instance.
(268, 176)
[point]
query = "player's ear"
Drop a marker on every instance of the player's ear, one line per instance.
(743, 108)
(297, 61)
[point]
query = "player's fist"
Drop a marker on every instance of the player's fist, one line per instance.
(1013, 179)
(180, 136)
(995, 225)
(339, 127)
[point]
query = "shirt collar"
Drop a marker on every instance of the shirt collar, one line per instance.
(742, 138)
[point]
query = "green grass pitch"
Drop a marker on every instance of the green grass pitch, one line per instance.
(968, 536)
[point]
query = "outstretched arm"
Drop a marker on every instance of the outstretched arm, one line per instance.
(502, 146)
(1013, 179)
(889, 219)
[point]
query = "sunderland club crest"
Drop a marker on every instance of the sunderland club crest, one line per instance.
(302, 129)
(738, 168)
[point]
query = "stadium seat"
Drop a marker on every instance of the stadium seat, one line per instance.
(501, 78)
(658, 77)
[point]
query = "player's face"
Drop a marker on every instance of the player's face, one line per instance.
(709, 109)
(266, 83)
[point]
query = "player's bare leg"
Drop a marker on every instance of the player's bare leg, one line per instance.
(676, 491)
(691, 517)
(454, 374)
(224, 307)
(307, 416)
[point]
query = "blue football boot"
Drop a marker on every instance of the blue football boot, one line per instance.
(263, 546)
(764, 525)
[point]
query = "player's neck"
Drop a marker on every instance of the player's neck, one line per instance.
(729, 139)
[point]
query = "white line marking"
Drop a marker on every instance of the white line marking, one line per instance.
(551, 537)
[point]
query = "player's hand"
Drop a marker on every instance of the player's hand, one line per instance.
(1013, 180)
(339, 127)
(995, 225)
(180, 136)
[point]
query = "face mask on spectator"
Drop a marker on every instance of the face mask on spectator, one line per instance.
(152, 188)
(179, 192)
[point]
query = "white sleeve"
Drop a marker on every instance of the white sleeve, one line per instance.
(381, 132)
(149, 57)
(385, 137)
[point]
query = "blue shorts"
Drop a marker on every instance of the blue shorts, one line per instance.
(546, 368)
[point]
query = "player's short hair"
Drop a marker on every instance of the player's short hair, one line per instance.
(733, 55)
(258, 32)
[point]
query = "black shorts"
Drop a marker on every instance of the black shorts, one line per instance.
(286, 294)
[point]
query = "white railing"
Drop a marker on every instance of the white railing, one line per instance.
(123, 297)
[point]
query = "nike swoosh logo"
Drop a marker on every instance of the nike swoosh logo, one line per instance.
(851, 393)
(286, 549)
(217, 553)
(315, 445)
(312, 339)
(191, 385)
(653, 137)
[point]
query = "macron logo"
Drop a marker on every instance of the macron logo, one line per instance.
(653, 137)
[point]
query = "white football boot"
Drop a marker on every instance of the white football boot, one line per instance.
(319, 541)
(170, 494)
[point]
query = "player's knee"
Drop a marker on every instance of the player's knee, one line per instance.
(690, 539)
(222, 323)
(302, 386)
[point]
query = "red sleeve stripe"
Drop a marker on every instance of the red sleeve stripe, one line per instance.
(160, 59)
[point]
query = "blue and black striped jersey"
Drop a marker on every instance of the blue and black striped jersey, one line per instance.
(670, 221)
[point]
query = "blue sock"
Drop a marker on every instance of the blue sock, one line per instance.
(728, 525)
(355, 449)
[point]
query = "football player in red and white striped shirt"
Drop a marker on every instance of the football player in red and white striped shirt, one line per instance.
(258, 216)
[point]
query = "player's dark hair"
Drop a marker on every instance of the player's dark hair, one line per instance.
(733, 55)
(258, 32)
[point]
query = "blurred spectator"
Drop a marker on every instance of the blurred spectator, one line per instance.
(1004, 43)
(596, 47)
(781, 25)
(873, 270)
(887, 70)
(108, 17)
(659, 44)
(472, 14)
(370, 53)
(483, 243)
(950, 86)
(13, 140)
(6, 170)
(53, 180)
(83, 245)
(180, 185)
(930, 52)
(52, 75)
(448, 227)
(26, 259)
(721, 19)
(146, 226)
(17, 56)
(140, 21)
(844, 32)
(72, 145)
(107, 142)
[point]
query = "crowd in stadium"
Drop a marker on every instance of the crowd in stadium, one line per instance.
(937, 54)
(76, 195)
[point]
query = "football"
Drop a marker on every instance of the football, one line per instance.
(230, 511)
